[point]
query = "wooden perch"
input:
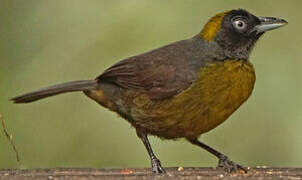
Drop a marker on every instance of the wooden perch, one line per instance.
(145, 174)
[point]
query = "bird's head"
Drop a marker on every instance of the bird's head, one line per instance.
(236, 31)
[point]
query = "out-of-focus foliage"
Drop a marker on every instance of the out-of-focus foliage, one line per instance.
(48, 42)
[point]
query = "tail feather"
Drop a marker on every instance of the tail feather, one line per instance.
(83, 85)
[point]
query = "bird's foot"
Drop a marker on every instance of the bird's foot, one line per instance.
(156, 166)
(229, 166)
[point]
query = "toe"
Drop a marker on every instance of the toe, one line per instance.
(230, 166)
(156, 166)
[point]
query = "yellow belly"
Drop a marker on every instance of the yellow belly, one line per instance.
(221, 88)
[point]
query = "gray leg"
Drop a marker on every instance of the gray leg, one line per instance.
(155, 163)
(224, 162)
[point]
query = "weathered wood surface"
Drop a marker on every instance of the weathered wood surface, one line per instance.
(145, 174)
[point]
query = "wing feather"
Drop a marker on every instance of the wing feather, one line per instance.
(160, 73)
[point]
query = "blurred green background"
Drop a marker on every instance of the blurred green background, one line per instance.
(47, 42)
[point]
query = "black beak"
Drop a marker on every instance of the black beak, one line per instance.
(269, 23)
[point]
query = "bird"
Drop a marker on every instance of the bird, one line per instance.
(181, 90)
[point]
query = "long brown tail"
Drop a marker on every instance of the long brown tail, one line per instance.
(83, 85)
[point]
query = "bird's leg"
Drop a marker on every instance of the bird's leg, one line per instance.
(224, 162)
(155, 163)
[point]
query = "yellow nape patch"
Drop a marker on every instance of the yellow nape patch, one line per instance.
(212, 27)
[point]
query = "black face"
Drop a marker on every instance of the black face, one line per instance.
(243, 23)
(237, 34)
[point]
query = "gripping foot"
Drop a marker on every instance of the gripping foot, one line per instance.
(156, 166)
(229, 166)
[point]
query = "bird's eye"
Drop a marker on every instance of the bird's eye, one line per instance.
(239, 24)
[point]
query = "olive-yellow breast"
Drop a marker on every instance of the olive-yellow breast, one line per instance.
(219, 90)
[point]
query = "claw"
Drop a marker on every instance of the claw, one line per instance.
(229, 166)
(156, 166)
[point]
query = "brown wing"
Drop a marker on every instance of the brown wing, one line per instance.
(160, 73)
